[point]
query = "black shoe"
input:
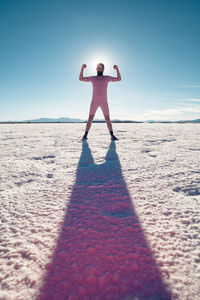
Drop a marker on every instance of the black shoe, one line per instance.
(114, 138)
(84, 138)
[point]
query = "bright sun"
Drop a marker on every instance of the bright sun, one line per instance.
(95, 59)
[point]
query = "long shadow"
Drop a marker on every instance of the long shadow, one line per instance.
(101, 252)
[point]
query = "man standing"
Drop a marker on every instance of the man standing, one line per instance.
(99, 96)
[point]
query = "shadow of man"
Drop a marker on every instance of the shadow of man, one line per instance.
(101, 252)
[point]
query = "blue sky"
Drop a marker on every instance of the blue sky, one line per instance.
(156, 45)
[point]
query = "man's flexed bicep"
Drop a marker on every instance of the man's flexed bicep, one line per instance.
(118, 78)
(81, 74)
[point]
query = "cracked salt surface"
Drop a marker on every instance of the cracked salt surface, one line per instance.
(100, 219)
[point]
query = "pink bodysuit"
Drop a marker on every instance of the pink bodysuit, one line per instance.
(99, 96)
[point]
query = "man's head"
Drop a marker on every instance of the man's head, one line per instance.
(100, 69)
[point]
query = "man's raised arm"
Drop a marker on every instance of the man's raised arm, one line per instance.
(81, 74)
(118, 78)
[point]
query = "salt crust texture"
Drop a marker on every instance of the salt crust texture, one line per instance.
(100, 219)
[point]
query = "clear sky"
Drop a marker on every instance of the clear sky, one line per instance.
(155, 43)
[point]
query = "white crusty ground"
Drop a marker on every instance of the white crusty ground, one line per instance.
(161, 167)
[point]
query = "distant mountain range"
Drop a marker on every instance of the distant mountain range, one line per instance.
(44, 120)
(49, 120)
(179, 121)
(74, 120)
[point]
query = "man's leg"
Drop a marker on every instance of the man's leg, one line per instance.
(105, 110)
(109, 124)
(93, 108)
(89, 123)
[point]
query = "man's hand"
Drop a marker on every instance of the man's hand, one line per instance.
(118, 78)
(81, 73)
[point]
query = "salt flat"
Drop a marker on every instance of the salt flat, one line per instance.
(100, 219)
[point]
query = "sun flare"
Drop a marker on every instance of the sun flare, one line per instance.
(96, 59)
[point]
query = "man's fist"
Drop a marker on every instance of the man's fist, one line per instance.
(84, 66)
(115, 67)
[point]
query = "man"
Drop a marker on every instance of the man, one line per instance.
(99, 96)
